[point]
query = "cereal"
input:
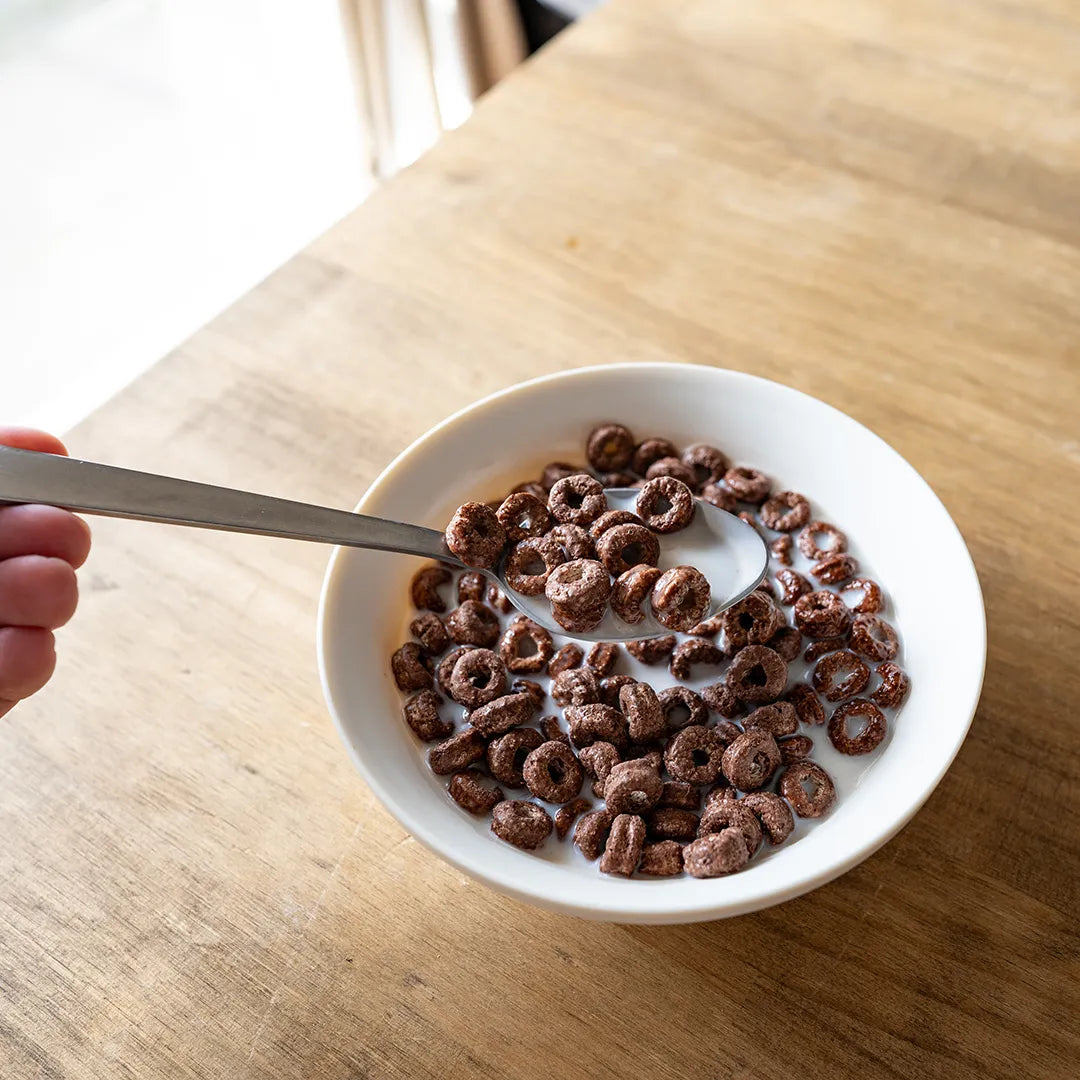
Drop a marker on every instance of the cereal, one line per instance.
(792, 586)
(747, 485)
(411, 667)
(707, 463)
(817, 801)
(525, 646)
(533, 689)
(599, 759)
(665, 504)
(822, 647)
(752, 620)
(651, 650)
(630, 590)
(797, 748)
(523, 824)
(676, 701)
(786, 511)
(774, 814)
(591, 833)
(694, 755)
(576, 686)
(595, 723)
(757, 674)
(430, 631)
(457, 753)
(565, 815)
(777, 719)
(569, 656)
(720, 699)
(871, 602)
(573, 542)
(708, 628)
(649, 451)
(727, 731)
(661, 859)
(576, 500)
(679, 795)
(715, 854)
(531, 487)
(475, 535)
(553, 773)
(472, 623)
(468, 790)
(624, 546)
(787, 641)
(872, 636)
(645, 718)
(822, 614)
(720, 497)
(424, 589)
(472, 585)
(765, 586)
(809, 546)
(672, 824)
(728, 812)
(808, 708)
(551, 728)
(421, 713)
(622, 853)
(556, 471)
(618, 480)
(693, 651)
(478, 677)
(523, 515)
(603, 657)
(680, 597)
(632, 787)
(609, 519)
(853, 668)
(500, 715)
(867, 739)
(894, 685)
(609, 447)
(781, 549)
(611, 686)
(750, 761)
(579, 586)
(671, 468)
(446, 667)
(506, 755)
(834, 569)
(721, 793)
(530, 563)
(499, 600)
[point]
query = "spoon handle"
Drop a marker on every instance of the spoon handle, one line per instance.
(30, 477)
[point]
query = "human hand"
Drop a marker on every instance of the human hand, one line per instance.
(40, 549)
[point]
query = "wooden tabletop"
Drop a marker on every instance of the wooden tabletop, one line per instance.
(877, 201)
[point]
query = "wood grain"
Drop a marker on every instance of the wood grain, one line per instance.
(877, 202)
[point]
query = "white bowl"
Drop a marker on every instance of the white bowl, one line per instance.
(899, 527)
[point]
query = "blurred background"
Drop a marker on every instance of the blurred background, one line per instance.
(161, 157)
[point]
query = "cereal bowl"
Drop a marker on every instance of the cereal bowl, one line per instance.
(854, 480)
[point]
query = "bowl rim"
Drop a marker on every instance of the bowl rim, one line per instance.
(615, 910)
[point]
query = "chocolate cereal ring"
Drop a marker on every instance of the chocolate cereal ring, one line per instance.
(532, 487)
(867, 739)
(609, 447)
(679, 795)
(522, 515)
(424, 588)
(645, 453)
(573, 541)
(599, 759)
(645, 718)
(748, 485)
(523, 824)
(624, 546)
(533, 689)
(475, 535)
(720, 497)
(555, 471)
(708, 628)
(630, 590)
(795, 748)
(753, 620)
(565, 815)
(595, 723)
(720, 699)
(569, 656)
(774, 814)
(617, 479)
(893, 688)
(855, 676)
(412, 667)
(872, 636)
(577, 500)
(525, 646)
(421, 713)
(694, 755)
(808, 708)
(446, 667)
(822, 647)
(651, 650)
(622, 853)
(602, 657)
(871, 602)
(792, 586)
(456, 753)
(662, 858)
(787, 641)
(834, 569)
(478, 677)
(575, 686)
(777, 719)
(785, 511)
(473, 623)
(591, 833)
(665, 504)
(506, 755)
(808, 545)
(715, 854)
(730, 813)
(682, 707)
(671, 468)
(672, 824)
(472, 585)
(530, 563)
(469, 791)
(609, 519)
(693, 651)
(430, 631)
(502, 714)
(552, 730)
(757, 674)
(750, 761)
(553, 773)
(578, 586)
(816, 801)
(680, 597)
(781, 549)
(611, 686)
(707, 463)
(822, 614)
(632, 787)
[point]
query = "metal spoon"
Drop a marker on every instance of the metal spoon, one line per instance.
(729, 552)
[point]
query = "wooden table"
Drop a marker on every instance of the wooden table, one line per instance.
(877, 201)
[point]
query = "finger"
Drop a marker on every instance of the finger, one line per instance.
(27, 660)
(37, 591)
(43, 530)
(28, 439)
